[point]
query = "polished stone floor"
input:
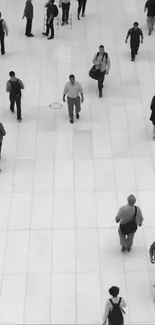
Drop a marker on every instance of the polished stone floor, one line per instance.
(61, 184)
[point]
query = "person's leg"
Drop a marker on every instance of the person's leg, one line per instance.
(122, 240)
(137, 48)
(150, 24)
(12, 103)
(18, 104)
(77, 106)
(132, 52)
(67, 11)
(51, 26)
(2, 43)
(100, 82)
(79, 8)
(0, 149)
(70, 108)
(63, 12)
(129, 241)
(153, 132)
(83, 7)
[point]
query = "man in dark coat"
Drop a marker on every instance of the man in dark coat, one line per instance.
(28, 13)
(150, 8)
(135, 33)
(52, 12)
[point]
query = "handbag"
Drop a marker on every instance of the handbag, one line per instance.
(129, 227)
(94, 73)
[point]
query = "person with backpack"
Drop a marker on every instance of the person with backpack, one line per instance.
(135, 33)
(2, 134)
(3, 31)
(65, 5)
(102, 64)
(52, 12)
(152, 117)
(150, 8)
(114, 308)
(129, 218)
(28, 13)
(14, 86)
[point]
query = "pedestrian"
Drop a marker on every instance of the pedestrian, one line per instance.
(72, 89)
(102, 62)
(81, 6)
(28, 13)
(114, 308)
(152, 117)
(13, 87)
(152, 253)
(2, 134)
(65, 5)
(150, 8)
(3, 31)
(52, 12)
(135, 34)
(130, 217)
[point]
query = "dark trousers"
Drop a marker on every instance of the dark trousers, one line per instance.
(134, 49)
(2, 35)
(51, 27)
(47, 28)
(28, 27)
(101, 80)
(16, 100)
(65, 11)
(0, 148)
(71, 103)
(82, 5)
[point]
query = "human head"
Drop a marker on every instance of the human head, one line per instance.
(135, 25)
(131, 200)
(12, 74)
(101, 49)
(72, 78)
(114, 291)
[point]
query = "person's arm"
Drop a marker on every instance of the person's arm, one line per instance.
(5, 27)
(95, 61)
(152, 253)
(8, 87)
(3, 130)
(21, 84)
(123, 303)
(108, 65)
(146, 6)
(127, 36)
(140, 217)
(81, 92)
(152, 103)
(25, 10)
(106, 313)
(65, 92)
(118, 217)
(142, 36)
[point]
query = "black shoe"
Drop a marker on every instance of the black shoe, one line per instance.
(123, 249)
(77, 116)
(150, 31)
(132, 59)
(51, 37)
(71, 121)
(129, 249)
(67, 22)
(19, 120)
(12, 111)
(31, 35)
(78, 17)
(2, 53)
(45, 34)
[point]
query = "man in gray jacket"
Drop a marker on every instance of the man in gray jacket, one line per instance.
(102, 62)
(28, 13)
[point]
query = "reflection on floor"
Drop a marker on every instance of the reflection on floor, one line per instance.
(61, 184)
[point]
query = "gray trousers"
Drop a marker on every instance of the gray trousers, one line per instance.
(71, 103)
(126, 240)
(150, 23)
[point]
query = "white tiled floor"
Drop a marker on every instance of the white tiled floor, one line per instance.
(61, 185)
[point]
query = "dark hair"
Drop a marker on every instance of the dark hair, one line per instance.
(101, 46)
(71, 76)
(12, 74)
(114, 291)
(136, 24)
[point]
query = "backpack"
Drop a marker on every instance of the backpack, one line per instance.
(116, 314)
(15, 88)
(130, 227)
(104, 55)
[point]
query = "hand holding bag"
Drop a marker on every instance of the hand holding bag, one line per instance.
(94, 73)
